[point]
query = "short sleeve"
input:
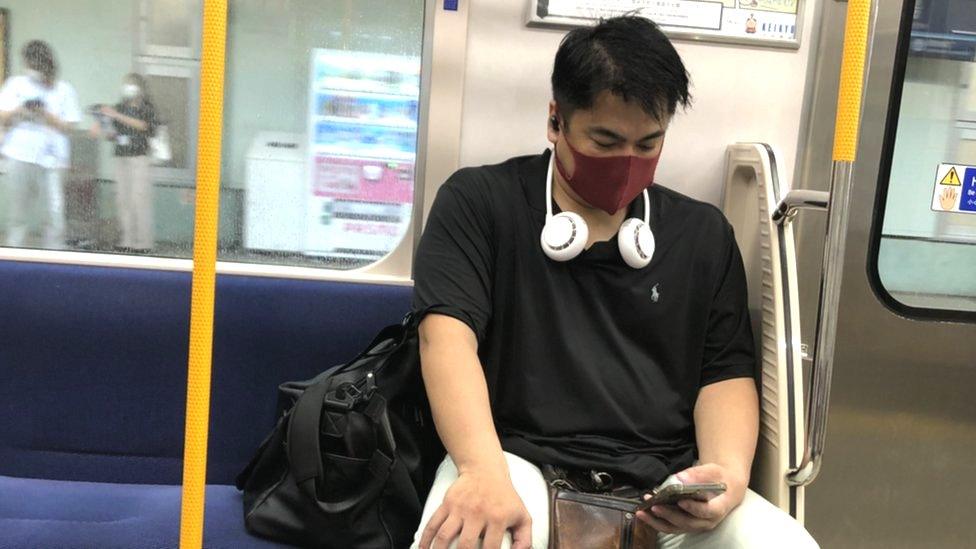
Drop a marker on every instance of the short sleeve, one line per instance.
(8, 95)
(70, 110)
(453, 267)
(729, 346)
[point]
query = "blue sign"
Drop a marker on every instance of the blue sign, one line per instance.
(967, 202)
(450, 5)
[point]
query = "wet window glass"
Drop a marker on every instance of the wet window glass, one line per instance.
(170, 23)
(927, 252)
(320, 132)
(320, 128)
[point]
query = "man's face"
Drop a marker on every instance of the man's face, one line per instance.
(612, 127)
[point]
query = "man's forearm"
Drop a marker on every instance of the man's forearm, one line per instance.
(458, 394)
(134, 123)
(727, 425)
(57, 123)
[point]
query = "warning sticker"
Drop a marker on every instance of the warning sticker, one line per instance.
(951, 178)
(955, 189)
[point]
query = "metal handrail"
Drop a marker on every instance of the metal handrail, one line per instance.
(797, 200)
(837, 203)
(856, 32)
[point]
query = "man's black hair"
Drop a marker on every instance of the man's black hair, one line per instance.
(627, 55)
(39, 56)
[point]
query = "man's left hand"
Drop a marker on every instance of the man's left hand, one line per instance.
(688, 515)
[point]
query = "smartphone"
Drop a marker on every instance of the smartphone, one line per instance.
(673, 493)
(34, 104)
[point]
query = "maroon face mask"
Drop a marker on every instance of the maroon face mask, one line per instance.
(609, 182)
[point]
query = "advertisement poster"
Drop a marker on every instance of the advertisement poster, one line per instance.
(759, 22)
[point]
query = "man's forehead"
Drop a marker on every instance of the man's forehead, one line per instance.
(617, 114)
(613, 125)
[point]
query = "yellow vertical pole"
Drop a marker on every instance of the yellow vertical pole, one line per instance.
(204, 273)
(851, 80)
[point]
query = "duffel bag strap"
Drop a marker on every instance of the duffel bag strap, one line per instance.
(396, 334)
(304, 451)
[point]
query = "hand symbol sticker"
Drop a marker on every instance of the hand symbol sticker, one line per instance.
(948, 198)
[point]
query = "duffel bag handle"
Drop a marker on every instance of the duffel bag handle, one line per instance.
(396, 333)
(304, 451)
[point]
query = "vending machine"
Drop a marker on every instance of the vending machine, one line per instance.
(362, 149)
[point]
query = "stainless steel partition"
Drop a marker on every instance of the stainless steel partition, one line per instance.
(898, 468)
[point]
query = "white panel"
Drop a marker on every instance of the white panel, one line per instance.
(740, 94)
(768, 254)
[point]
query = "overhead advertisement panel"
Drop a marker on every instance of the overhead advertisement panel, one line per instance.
(774, 23)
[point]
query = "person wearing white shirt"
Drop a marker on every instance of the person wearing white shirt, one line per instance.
(38, 111)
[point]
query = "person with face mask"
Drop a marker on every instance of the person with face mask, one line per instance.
(579, 315)
(132, 123)
(37, 110)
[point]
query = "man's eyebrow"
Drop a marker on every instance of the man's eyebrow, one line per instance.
(650, 136)
(610, 134)
(604, 132)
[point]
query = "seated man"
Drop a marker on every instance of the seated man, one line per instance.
(588, 350)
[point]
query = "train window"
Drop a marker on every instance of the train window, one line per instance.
(319, 139)
(320, 131)
(925, 250)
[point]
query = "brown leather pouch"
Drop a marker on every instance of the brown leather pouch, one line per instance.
(586, 520)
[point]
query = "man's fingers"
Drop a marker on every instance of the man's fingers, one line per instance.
(470, 535)
(434, 524)
(658, 523)
(493, 537)
(522, 535)
(448, 531)
(698, 509)
(680, 519)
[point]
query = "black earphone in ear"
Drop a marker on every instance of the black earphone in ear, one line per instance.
(554, 122)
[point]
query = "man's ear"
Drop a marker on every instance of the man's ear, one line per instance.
(553, 126)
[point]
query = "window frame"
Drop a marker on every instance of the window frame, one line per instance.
(884, 179)
(147, 48)
(438, 153)
(188, 70)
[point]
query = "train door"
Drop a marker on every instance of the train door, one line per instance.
(898, 468)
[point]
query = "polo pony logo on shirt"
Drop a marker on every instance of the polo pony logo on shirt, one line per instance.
(655, 294)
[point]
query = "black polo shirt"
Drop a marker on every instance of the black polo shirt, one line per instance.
(590, 364)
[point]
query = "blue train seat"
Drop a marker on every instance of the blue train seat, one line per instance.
(93, 367)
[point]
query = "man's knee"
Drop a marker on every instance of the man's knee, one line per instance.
(529, 484)
(761, 525)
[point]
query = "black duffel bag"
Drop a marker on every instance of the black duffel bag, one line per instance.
(353, 454)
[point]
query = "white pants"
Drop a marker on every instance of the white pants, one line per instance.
(134, 201)
(755, 523)
(24, 182)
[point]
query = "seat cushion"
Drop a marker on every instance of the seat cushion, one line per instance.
(51, 514)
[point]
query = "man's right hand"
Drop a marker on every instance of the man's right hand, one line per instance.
(22, 113)
(482, 501)
(479, 504)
